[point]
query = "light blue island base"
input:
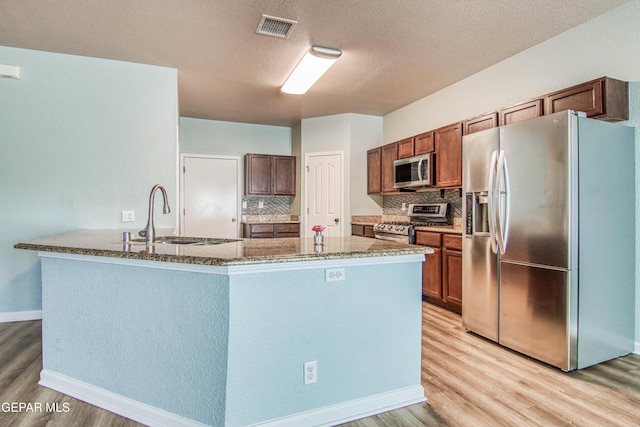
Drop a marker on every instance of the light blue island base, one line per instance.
(178, 344)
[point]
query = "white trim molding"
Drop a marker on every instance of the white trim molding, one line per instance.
(149, 415)
(20, 316)
(129, 408)
(352, 410)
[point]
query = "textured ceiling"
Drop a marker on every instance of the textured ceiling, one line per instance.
(394, 51)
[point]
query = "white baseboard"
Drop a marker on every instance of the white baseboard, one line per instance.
(20, 316)
(152, 416)
(129, 408)
(352, 410)
(637, 350)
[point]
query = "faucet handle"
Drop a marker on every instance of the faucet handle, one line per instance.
(142, 233)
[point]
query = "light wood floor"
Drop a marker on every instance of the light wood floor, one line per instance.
(469, 382)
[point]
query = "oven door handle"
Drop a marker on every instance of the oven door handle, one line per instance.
(392, 239)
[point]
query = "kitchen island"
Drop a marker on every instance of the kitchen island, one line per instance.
(217, 332)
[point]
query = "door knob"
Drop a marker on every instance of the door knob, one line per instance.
(233, 220)
(337, 220)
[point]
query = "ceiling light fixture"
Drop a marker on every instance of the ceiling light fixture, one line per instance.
(312, 66)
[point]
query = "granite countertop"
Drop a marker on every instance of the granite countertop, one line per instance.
(456, 228)
(108, 243)
(366, 219)
(270, 219)
(450, 229)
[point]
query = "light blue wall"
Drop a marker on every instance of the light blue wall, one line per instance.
(199, 136)
(364, 332)
(634, 120)
(230, 350)
(82, 139)
(155, 336)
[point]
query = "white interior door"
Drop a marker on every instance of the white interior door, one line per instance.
(210, 196)
(324, 192)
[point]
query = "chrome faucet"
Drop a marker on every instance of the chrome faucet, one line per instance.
(149, 231)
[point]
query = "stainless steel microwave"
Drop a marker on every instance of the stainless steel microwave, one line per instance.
(414, 171)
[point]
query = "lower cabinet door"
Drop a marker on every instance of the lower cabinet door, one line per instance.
(432, 275)
(452, 279)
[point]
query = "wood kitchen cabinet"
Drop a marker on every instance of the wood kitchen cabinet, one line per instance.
(374, 167)
(271, 230)
(521, 111)
(442, 270)
(605, 98)
(480, 123)
(424, 143)
(388, 154)
(267, 175)
(362, 230)
(416, 145)
(432, 266)
(448, 141)
(405, 148)
(452, 272)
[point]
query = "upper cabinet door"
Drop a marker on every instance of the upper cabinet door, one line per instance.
(606, 99)
(522, 111)
(424, 143)
(405, 148)
(267, 175)
(283, 175)
(388, 156)
(449, 156)
(374, 165)
(480, 123)
(258, 174)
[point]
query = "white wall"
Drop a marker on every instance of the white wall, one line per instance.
(352, 134)
(366, 133)
(605, 46)
(82, 139)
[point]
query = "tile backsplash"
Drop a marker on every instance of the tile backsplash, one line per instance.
(280, 205)
(392, 204)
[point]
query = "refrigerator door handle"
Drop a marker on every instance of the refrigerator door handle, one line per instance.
(504, 228)
(502, 199)
(491, 202)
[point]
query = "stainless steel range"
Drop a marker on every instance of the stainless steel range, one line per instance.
(420, 215)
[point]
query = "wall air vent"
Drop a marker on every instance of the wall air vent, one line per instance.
(275, 27)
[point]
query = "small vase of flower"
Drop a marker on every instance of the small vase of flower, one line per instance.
(317, 238)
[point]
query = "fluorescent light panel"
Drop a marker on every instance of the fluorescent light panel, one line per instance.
(313, 65)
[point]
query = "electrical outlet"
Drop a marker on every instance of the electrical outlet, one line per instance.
(310, 372)
(260, 205)
(128, 216)
(244, 205)
(404, 206)
(334, 274)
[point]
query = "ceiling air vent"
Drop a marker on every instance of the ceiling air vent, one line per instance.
(275, 27)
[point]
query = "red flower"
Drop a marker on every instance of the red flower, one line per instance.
(318, 228)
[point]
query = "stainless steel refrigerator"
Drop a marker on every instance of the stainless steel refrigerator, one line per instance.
(548, 249)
